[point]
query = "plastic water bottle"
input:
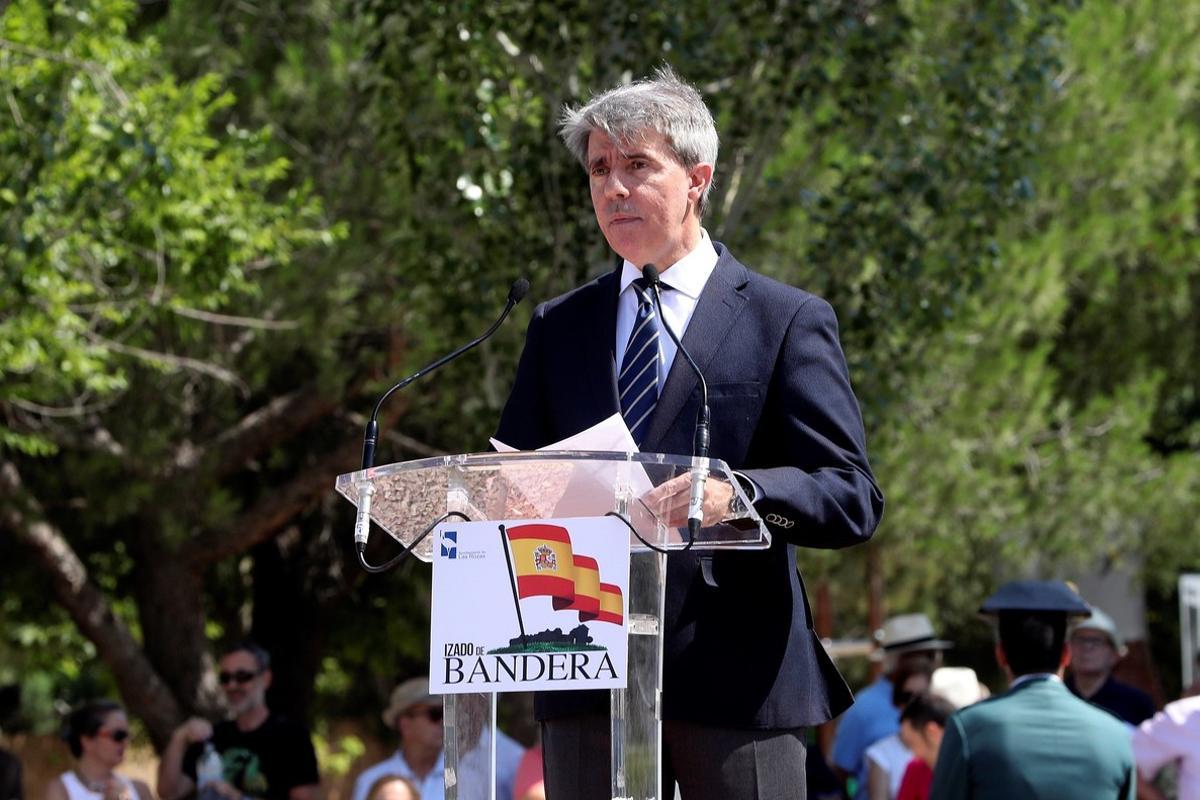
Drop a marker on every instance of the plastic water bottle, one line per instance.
(209, 768)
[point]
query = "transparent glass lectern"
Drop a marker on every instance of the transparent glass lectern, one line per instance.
(403, 499)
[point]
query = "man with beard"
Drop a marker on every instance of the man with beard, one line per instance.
(263, 754)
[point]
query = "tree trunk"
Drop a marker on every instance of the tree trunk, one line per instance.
(285, 623)
(170, 600)
(145, 694)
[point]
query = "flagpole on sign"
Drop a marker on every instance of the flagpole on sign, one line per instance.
(512, 580)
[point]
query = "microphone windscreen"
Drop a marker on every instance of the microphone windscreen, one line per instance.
(517, 292)
(650, 274)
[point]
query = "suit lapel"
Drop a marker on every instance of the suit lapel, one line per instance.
(599, 323)
(716, 310)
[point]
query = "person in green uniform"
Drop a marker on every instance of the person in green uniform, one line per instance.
(1037, 741)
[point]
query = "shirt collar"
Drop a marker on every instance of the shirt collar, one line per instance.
(1033, 676)
(687, 275)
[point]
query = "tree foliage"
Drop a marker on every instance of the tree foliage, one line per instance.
(227, 226)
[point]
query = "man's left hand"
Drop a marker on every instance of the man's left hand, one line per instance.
(670, 500)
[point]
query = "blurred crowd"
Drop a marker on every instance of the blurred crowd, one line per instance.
(258, 753)
(1065, 727)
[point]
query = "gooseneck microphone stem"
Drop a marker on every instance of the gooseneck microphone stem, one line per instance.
(366, 488)
(371, 436)
(700, 439)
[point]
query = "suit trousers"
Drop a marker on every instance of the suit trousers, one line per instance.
(708, 762)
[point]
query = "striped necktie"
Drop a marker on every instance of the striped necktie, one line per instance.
(638, 380)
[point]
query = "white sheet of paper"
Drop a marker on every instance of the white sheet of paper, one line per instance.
(611, 435)
(608, 435)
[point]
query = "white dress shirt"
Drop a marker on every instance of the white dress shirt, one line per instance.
(432, 788)
(682, 283)
(508, 756)
(686, 279)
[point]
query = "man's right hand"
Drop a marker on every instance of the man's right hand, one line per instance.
(194, 730)
(173, 783)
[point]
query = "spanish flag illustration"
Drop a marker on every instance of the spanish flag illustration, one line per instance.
(544, 562)
(587, 590)
(611, 607)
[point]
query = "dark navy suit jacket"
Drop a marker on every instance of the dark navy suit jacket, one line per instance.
(739, 649)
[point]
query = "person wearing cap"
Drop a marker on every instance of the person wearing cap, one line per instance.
(903, 638)
(416, 715)
(1037, 741)
(1096, 647)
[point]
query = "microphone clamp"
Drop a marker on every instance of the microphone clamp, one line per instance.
(362, 520)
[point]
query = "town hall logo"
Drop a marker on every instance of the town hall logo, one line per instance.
(449, 544)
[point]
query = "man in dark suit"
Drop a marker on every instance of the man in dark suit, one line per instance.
(743, 671)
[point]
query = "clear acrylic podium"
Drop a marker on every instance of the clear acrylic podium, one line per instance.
(405, 498)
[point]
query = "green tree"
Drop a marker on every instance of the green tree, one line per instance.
(997, 196)
(136, 238)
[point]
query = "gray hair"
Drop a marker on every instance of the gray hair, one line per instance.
(664, 103)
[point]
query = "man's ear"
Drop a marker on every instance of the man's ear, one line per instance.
(699, 179)
(1065, 658)
(1001, 658)
(266, 678)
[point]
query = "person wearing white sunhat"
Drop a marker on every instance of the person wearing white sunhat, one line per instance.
(873, 717)
(1096, 649)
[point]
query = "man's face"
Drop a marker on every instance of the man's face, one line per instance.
(924, 744)
(1092, 652)
(644, 198)
(244, 684)
(421, 727)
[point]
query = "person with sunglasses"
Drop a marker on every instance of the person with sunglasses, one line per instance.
(416, 715)
(97, 733)
(263, 754)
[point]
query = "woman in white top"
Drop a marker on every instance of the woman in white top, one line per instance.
(97, 733)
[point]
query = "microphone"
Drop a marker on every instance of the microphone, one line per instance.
(700, 440)
(366, 489)
(515, 294)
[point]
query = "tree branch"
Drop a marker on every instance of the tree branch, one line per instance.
(172, 360)
(256, 432)
(235, 321)
(144, 691)
(97, 70)
(273, 511)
